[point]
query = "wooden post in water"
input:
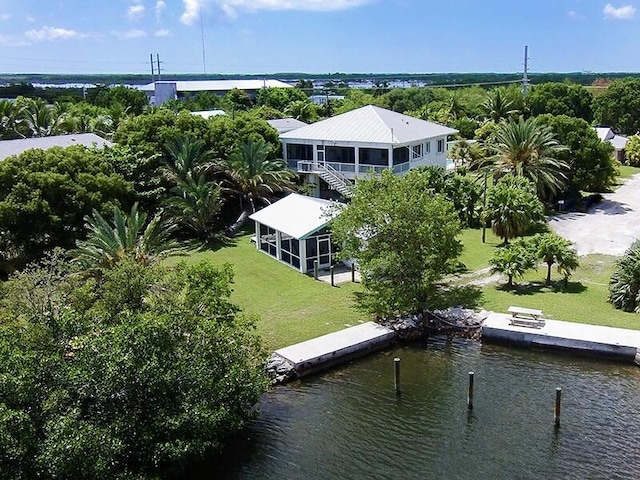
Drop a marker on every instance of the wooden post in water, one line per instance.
(557, 409)
(396, 375)
(353, 273)
(331, 272)
(315, 269)
(470, 394)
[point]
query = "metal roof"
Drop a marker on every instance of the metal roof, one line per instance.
(284, 125)
(217, 85)
(606, 134)
(16, 147)
(370, 124)
(297, 215)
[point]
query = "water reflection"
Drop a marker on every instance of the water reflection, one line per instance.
(350, 424)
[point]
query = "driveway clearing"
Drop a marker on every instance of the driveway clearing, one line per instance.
(609, 227)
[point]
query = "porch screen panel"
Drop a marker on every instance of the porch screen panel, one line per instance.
(400, 155)
(374, 156)
(340, 154)
(268, 240)
(290, 250)
(297, 151)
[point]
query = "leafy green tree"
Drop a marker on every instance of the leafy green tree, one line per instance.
(591, 163)
(624, 286)
(513, 207)
(403, 236)
(403, 100)
(10, 118)
(132, 100)
(553, 249)
(466, 126)
(512, 260)
(250, 176)
(632, 152)
(280, 98)
(44, 196)
(619, 106)
(237, 100)
(560, 99)
(128, 236)
(142, 373)
(528, 149)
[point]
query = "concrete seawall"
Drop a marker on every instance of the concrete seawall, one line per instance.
(606, 342)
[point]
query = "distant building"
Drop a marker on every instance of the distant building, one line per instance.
(284, 125)
(333, 152)
(209, 113)
(619, 142)
(162, 91)
(16, 147)
(323, 99)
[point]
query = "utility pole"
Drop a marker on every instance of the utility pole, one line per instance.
(525, 76)
(153, 75)
(159, 70)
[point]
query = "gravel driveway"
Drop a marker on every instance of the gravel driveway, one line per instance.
(609, 227)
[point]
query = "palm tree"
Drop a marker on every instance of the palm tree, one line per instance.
(41, 118)
(553, 249)
(188, 157)
(127, 236)
(528, 149)
(252, 177)
(10, 118)
(624, 286)
(195, 205)
(496, 106)
(512, 260)
(302, 110)
(513, 207)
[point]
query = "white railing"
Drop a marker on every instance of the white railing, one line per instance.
(402, 167)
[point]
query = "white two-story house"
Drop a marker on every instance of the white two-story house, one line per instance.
(334, 152)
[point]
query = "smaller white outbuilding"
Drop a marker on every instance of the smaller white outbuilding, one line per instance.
(294, 230)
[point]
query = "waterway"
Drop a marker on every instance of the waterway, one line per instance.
(349, 424)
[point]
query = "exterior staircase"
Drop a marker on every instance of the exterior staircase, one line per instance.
(335, 179)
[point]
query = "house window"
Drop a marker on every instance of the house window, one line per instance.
(268, 240)
(416, 151)
(440, 146)
(427, 147)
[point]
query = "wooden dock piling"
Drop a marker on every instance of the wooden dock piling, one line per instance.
(396, 375)
(557, 409)
(470, 394)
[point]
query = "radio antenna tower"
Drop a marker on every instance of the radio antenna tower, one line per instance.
(204, 58)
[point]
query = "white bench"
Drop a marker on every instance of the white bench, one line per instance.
(526, 317)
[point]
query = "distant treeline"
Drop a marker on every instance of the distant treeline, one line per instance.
(581, 78)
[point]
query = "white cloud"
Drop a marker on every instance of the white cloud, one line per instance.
(160, 6)
(30, 19)
(134, 12)
(626, 12)
(129, 34)
(162, 33)
(572, 14)
(5, 16)
(192, 8)
(52, 33)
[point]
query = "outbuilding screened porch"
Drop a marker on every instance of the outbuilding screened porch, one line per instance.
(294, 230)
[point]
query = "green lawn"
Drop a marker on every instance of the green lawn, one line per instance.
(627, 172)
(585, 300)
(292, 307)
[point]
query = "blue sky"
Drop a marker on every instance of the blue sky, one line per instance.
(318, 36)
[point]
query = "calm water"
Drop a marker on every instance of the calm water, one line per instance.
(348, 424)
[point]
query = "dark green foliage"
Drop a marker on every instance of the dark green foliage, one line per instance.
(624, 286)
(513, 260)
(44, 196)
(513, 207)
(403, 236)
(560, 99)
(619, 106)
(407, 99)
(237, 100)
(466, 126)
(132, 100)
(591, 162)
(144, 372)
(279, 98)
